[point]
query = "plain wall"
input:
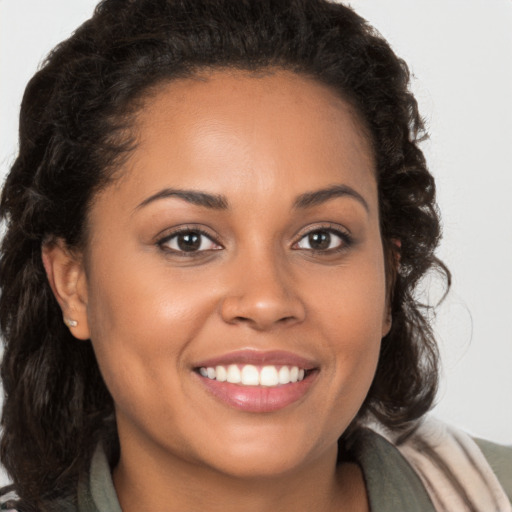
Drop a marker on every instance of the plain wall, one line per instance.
(460, 53)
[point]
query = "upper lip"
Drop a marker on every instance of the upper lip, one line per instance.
(259, 358)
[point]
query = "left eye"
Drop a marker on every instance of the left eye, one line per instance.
(321, 240)
(189, 241)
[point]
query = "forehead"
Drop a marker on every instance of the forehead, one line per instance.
(230, 130)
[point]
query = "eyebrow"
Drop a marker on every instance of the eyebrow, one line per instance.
(316, 197)
(212, 201)
(220, 202)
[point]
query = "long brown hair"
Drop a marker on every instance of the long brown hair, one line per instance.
(75, 115)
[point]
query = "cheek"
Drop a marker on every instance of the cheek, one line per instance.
(356, 354)
(141, 298)
(352, 315)
(355, 345)
(138, 319)
(351, 301)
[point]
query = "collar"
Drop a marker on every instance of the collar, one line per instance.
(391, 483)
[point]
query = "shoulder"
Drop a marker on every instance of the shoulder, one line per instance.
(499, 458)
(457, 472)
(391, 482)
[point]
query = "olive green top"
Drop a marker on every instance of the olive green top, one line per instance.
(392, 484)
(394, 489)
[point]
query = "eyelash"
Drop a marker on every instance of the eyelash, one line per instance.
(346, 240)
(183, 231)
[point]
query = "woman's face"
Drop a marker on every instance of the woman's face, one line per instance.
(241, 242)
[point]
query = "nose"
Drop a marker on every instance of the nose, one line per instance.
(263, 296)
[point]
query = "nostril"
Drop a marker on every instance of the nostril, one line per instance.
(262, 312)
(286, 319)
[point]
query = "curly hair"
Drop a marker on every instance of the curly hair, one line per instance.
(75, 115)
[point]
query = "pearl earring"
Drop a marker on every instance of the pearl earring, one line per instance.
(70, 322)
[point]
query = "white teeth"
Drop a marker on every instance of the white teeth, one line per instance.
(250, 375)
(268, 376)
(221, 373)
(233, 374)
(284, 375)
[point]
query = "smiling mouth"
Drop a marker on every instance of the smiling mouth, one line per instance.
(252, 375)
(257, 381)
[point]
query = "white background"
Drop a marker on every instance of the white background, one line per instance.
(460, 52)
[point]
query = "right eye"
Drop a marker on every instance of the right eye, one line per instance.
(322, 240)
(190, 241)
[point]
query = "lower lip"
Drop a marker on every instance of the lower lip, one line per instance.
(258, 398)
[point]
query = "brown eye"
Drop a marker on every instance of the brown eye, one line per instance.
(322, 240)
(189, 241)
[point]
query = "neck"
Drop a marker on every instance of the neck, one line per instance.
(147, 480)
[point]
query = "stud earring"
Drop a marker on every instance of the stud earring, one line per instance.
(70, 322)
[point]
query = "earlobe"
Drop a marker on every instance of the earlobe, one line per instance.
(67, 279)
(387, 323)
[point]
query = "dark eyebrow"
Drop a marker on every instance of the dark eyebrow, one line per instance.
(213, 201)
(309, 199)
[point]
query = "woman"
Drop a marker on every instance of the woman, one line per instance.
(215, 226)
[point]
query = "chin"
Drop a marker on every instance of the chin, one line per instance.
(263, 466)
(269, 456)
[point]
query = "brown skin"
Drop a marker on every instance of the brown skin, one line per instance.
(151, 312)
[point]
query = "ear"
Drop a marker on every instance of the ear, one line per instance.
(67, 278)
(387, 321)
(392, 264)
